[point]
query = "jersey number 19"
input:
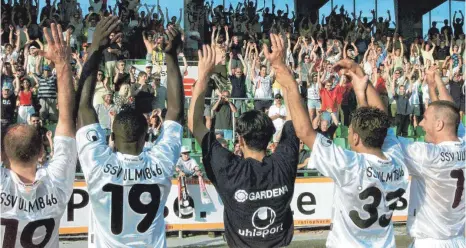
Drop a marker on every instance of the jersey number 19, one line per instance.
(134, 199)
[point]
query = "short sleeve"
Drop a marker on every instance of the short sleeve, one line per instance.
(169, 142)
(287, 149)
(333, 161)
(62, 167)
(215, 158)
(92, 146)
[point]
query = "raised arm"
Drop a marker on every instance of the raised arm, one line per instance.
(299, 115)
(196, 108)
(365, 92)
(434, 81)
(175, 91)
(86, 114)
(59, 52)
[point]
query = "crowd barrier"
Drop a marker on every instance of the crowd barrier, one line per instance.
(311, 205)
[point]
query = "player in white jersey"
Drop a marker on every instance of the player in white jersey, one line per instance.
(128, 188)
(436, 214)
(32, 201)
(368, 182)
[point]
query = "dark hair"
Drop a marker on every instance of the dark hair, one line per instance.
(130, 125)
(34, 115)
(263, 66)
(23, 143)
(371, 124)
(450, 111)
(256, 128)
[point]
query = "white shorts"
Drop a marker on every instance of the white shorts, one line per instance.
(457, 242)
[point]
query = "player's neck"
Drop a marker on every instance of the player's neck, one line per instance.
(372, 151)
(259, 156)
(128, 148)
(26, 171)
(446, 138)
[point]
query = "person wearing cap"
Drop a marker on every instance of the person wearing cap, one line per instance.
(105, 111)
(32, 59)
(277, 112)
(186, 166)
(47, 94)
(8, 107)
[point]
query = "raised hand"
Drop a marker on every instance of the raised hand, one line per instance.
(206, 63)
(432, 76)
(58, 50)
(49, 134)
(174, 42)
(346, 65)
(104, 28)
(276, 57)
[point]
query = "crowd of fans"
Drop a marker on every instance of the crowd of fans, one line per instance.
(243, 78)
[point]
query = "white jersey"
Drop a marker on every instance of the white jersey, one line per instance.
(128, 193)
(30, 214)
(187, 167)
(366, 193)
(437, 196)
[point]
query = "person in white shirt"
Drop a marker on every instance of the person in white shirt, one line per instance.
(128, 189)
(186, 166)
(262, 88)
(436, 214)
(39, 196)
(277, 112)
(368, 182)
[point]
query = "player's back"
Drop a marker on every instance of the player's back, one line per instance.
(437, 196)
(366, 193)
(128, 193)
(30, 214)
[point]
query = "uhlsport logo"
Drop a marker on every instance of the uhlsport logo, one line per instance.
(263, 218)
(241, 195)
(92, 135)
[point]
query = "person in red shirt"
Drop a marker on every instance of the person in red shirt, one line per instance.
(24, 101)
(381, 87)
(330, 99)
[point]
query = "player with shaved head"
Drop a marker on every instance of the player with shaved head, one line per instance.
(436, 215)
(32, 200)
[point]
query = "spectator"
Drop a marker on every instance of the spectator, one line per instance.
(186, 166)
(457, 91)
(277, 112)
(402, 111)
(124, 98)
(105, 111)
(47, 94)
(458, 24)
(329, 98)
(262, 88)
(237, 149)
(121, 76)
(8, 78)
(101, 88)
(433, 30)
(323, 126)
(46, 134)
(223, 115)
(313, 94)
(143, 94)
(238, 84)
(25, 102)
(160, 94)
(304, 156)
(8, 107)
